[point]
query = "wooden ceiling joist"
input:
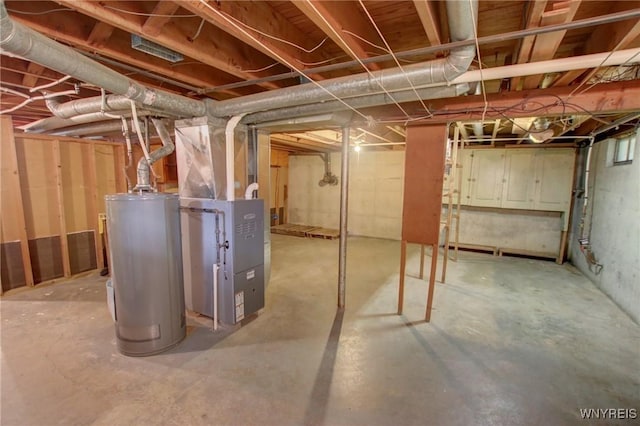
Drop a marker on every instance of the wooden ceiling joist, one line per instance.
(546, 45)
(534, 15)
(214, 48)
(335, 18)
(428, 16)
(160, 16)
(100, 34)
(250, 21)
(119, 49)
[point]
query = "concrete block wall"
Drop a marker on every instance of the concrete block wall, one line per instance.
(615, 226)
(375, 193)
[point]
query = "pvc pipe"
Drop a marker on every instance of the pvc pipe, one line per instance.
(554, 65)
(248, 194)
(229, 155)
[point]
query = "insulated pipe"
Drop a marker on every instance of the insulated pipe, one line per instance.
(461, 15)
(54, 123)
(248, 194)
(17, 39)
(230, 144)
(112, 103)
(92, 129)
(344, 200)
(356, 102)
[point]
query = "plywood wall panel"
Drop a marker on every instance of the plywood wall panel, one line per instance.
(74, 186)
(106, 173)
(423, 179)
(38, 187)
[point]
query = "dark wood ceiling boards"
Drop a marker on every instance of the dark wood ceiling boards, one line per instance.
(226, 42)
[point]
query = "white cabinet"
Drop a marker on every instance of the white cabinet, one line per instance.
(487, 174)
(519, 179)
(554, 179)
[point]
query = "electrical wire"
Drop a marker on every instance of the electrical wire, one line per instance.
(390, 51)
(192, 39)
(285, 61)
(158, 15)
(353, 54)
(262, 33)
(365, 40)
(261, 69)
(44, 12)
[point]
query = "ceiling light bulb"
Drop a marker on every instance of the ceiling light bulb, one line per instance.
(357, 148)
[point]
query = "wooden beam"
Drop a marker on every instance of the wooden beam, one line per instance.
(335, 18)
(12, 206)
(213, 47)
(266, 20)
(91, 176)
(100, 34)
(604, 98)
(31, 77)
(546, 45)
(534, 14)
(159, 17)
(428, 17)
(119, 48)
(64, 243)
(297, 141)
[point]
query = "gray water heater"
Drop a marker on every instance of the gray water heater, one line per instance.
(146, 271)
(227, 237)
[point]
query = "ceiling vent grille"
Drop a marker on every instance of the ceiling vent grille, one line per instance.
(155, 49)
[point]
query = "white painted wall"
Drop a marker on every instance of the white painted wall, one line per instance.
(615, 229)
(375, 193)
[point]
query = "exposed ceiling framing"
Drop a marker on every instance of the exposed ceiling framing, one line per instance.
(233, 42)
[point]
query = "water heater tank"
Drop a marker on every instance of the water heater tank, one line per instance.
(146, 271)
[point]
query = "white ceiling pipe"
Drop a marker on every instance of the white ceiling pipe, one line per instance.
(594, 60)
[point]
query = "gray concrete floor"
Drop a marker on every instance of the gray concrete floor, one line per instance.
(512, 341)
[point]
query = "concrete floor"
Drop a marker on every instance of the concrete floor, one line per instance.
(512, 341)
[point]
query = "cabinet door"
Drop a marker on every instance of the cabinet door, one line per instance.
(519, 179)
(487, 173)
(463, 174)
(554, 179)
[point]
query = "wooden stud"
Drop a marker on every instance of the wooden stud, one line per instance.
(432, 281)
(403, 264)
(119, 154)
(91, 176)
(563, 245)
(64, 243)
(421, 261)
(12, 181)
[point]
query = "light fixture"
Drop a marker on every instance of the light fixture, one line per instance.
(155, 49)
(541, 131)
(536, 136)
(357, 148)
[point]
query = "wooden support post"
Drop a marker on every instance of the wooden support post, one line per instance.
(432, 281)
(563, 246)
(64, 244)
(15, 207)
(421, 261)
(445, 254)
(403, 264)
(119, 156)
(91, 176)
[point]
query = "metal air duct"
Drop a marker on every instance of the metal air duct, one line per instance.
(461, 16)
